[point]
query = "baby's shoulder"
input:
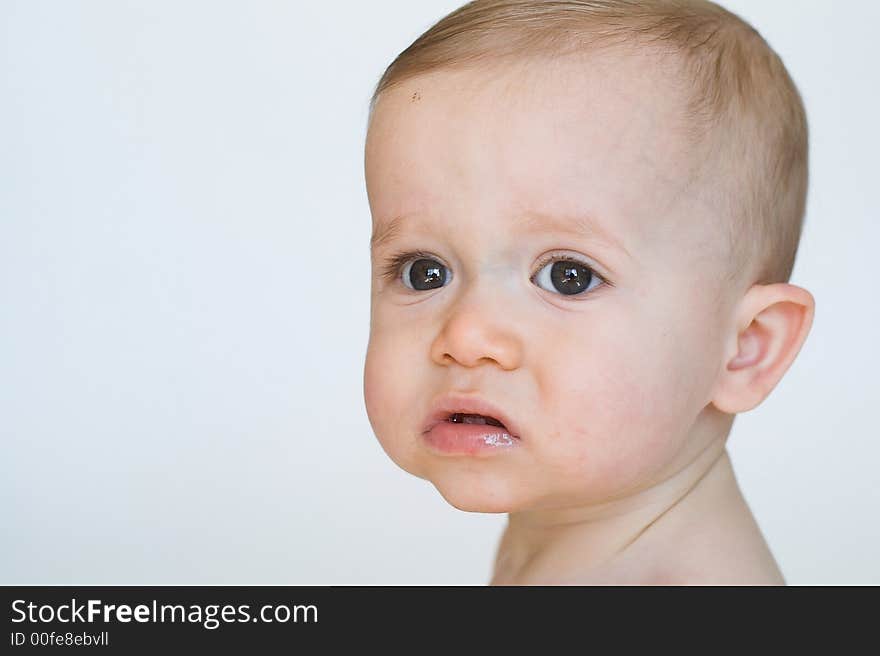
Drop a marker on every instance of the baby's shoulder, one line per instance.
(734, 555)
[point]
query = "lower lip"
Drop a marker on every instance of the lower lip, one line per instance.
(469, 439)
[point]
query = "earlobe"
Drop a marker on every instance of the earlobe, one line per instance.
(771, 326)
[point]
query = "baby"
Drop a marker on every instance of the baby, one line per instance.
(585, 217)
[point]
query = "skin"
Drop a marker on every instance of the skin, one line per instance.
(625, 395)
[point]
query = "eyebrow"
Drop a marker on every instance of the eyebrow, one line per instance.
(578, 225)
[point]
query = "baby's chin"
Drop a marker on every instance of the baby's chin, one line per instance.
(471, 502)
(483, 494)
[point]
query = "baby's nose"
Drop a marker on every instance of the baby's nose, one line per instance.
(478, 326)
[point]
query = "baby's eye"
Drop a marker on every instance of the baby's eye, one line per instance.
(566, 276)
(424, 273)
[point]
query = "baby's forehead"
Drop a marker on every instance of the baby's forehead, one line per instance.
(601, 107)
(578, 138)
(641, 85)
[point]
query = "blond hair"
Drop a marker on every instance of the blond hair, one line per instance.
(742, 101)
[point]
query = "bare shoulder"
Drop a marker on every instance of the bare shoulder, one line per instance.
(719, 569)
(726, 549)
(702, 557)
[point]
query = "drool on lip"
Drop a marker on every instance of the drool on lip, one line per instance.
(468, 439)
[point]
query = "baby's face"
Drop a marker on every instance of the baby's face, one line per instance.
(565, 273)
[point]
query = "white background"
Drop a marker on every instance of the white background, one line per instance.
(184, 303)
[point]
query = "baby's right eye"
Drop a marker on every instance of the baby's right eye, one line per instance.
(424, 274)
(418, 271)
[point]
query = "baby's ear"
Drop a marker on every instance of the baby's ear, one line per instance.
(772, 323)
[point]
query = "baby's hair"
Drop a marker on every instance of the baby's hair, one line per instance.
(742, 104)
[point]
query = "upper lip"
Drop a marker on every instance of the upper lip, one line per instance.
(447, 405)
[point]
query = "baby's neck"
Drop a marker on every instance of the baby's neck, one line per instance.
(695, 527)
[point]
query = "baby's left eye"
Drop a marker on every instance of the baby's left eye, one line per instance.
(566, 276)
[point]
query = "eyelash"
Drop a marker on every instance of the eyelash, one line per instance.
(395, 263)
(394, 266)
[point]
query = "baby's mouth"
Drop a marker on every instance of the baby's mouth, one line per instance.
(473, 410)
(462, 418)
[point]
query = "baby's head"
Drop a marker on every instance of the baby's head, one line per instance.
(585, 215)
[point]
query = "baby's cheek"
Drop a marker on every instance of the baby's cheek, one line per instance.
(650, 410)
(612, 446)
(389, 399)
(380, 393)
(373, 392)
(618, 418)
